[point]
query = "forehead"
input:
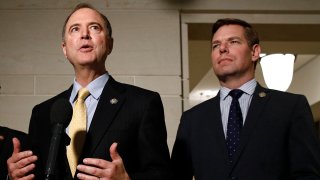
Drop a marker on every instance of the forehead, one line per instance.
(85, 15)
(228, 31)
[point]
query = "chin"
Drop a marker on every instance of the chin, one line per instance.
(224, 73)
(87, 59)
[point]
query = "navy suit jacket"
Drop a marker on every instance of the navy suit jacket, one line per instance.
(278, 141)
(135, 122)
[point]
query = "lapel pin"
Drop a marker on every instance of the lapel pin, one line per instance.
(262, 94)
(114, 101)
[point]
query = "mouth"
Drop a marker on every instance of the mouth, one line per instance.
(224, 60)
(86, 48)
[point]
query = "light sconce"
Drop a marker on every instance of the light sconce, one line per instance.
(277, 70)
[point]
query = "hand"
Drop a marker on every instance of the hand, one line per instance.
(99, 169)
(1, 138)
(20, 164)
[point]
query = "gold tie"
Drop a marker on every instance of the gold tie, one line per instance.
(77, 130)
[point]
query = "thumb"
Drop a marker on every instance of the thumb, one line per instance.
(113, 152)
(16, 145)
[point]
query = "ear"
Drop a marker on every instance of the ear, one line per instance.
(110, 43)
(256, 50)
(63, 45)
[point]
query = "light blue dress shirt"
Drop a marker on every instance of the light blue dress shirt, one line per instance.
(95, 88)
(244, 101)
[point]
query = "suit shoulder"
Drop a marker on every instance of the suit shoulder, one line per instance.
(12, 132)
(9, 133)
(50, 101)
(286, 95)
(138, 91)
(281, 98)
(202, 106)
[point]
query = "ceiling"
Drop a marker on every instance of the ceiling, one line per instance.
(301, 40)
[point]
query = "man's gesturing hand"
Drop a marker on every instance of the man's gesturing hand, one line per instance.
(100, 169)
(20, 164)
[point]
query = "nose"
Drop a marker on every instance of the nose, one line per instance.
(85, 34)
(223, 48)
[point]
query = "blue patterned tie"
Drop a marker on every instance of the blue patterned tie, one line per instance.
(234, 124)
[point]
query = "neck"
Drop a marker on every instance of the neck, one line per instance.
(234, 83)
(84, 77)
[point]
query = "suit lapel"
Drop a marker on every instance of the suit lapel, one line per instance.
(219, 127)
(109, 104)
(259, 100)
(65, 94)
(214, 130)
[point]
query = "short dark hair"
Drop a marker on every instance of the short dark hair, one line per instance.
(86, 5)
(250, 33)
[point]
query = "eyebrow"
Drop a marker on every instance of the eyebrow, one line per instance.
(228, 39)
(91, 23)
(73, 25)
(95, 23)
(234, 38)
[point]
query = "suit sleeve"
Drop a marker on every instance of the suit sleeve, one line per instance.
(6, 147)
(152, 143)
(304, 145)
(181, 157)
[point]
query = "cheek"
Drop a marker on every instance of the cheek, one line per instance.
(214, 57)
(101, 49)
(243, 53)
(101, 44)
(214, 61)
(70, 45)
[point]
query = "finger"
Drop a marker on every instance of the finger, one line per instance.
(16, 145)
(19, 156)
(97, 167)
(113, 152)
(29, 177)
(86, 177)
(100, 163)
(26, 162)
(21, 168)
(23, 171)
(89, 170)
(1, 138)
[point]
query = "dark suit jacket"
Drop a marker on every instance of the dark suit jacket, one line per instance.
(135, 122)
(278, 141)
(6, 147)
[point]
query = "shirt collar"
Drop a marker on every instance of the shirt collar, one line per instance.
(95, 87)
(247, 88)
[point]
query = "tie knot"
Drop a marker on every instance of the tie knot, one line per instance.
(236, 93)
(83, 93)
